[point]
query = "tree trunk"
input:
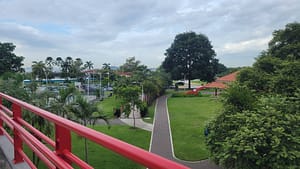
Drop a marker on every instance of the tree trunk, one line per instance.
(189, 84)
(85, 150)
(133, 115)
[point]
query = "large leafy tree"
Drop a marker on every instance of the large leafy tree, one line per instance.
(9, 62)
(131, 65)
(130, 96)
(256, 133)
(11, 84)
(191, 56)
(286, 42)
(259, 127)
(278, 68)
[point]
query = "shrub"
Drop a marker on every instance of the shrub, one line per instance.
(265, 137)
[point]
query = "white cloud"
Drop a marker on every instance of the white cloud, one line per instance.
(244, 46)
(110, 31)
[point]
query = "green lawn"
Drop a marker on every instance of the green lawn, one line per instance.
(188, 116)
(108, 105)
(103, 158)
(100, 157)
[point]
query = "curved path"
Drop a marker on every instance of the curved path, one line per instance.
(161, 140)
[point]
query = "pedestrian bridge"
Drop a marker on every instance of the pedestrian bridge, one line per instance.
(57, 153)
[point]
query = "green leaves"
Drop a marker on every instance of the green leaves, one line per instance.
(264, 137)
(9, 62)
(277, 69)
(286, 42)
(191, 56)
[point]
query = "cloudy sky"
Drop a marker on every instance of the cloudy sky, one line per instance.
(111, 31)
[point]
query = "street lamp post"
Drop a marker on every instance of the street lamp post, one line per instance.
(88, 90)
(101, 84)
(107, 80)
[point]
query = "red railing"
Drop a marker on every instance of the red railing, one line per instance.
(61, 156)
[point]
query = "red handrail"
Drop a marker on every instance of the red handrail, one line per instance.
(62, 156)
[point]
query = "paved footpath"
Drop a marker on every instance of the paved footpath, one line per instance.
(161, 143)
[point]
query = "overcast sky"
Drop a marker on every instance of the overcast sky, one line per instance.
(111, 31)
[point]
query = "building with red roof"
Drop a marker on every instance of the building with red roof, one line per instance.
(222, 82)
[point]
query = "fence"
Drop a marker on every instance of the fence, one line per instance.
(61, 156)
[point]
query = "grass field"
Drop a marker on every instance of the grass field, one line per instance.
(188, 116)
(100, 157)
(108, 105)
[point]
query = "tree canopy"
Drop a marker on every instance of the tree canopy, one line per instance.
(9, 62)
(277, 69)
(259, 126)
(286, 42)
(191, 56)
(132, 65)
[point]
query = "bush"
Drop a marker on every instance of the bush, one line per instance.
(265, 137)
(238, 98)
(144, 109)
(184, 94)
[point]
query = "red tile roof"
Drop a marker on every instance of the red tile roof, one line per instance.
(219, 85)
(228, 78)
(221, 82)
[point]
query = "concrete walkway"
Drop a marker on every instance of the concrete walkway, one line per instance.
(8, 151)
(161, 142)
(4, 164)
(139, 123)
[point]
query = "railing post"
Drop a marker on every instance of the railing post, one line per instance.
(1, 121)
(18, 145)
(62, 141)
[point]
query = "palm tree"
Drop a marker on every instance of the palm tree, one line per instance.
(106, 66)
(58, 61)
(85, 112)
(40, 70)
(89, 65)
(64, 98)
(49, 61)
(66, 67)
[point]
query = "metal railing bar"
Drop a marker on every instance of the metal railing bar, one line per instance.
(10, 139)
(27, 160)
(6, 110)
(77, 160)
(41, 147)
(37, 132)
